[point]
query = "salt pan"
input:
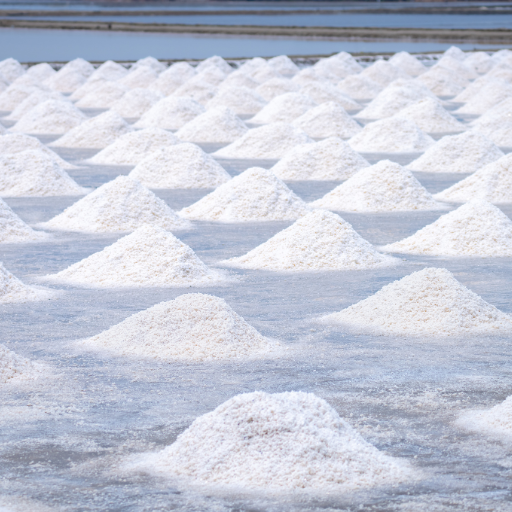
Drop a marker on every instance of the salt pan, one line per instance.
(170, 113)
(136, 102)
(240, 100)
(284, 108)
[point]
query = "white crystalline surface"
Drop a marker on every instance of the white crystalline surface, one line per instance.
(181, 166)
(102, 96)
(91, 85)
(31, 101)
(408, 63)
(489, 95)
(172, 78)
(132, 147)
(136, 102)
(283, 64)
(109, 70)
(240, 100)
(148, 257)
(267, 142)
(459, 67)
(360, 87)
(13, 290)
(237, 79)
(383, 187)
(140, 77)
(319, 241)
(14, 367)
(41, 71)
(13, 229)
(11, 69)
(466, 152)
(65, 80)
(201, 92)
(254, 195)
(192, 327)
(475, 87)
(275, 87)
(290, 441)
(383, 73)
(430, 302)
(122, 204)
(15, 93)
(329, 159)
(443, 82)
(284, 108)
(323, 92)
(217, 62)
(170, 113)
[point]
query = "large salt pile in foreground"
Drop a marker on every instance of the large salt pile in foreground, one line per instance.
(32, 101)
(136, 102)
(383, 187)
(291, 441)
(330, 159)
(271, 141)
(254, 195)
(13, 229)
(466, 152)
(475, 229)
(148, 257)
(123, 204)
(318, 241)
(430, 302)
(14, 367)
(284, 108)
(192, 327)
(181, 166)
(241, 100)
(13, 290)
(170, 113)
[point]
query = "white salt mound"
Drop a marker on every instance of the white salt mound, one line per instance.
(481, 62)
(490, 95)
(254, 195)
(102, 96)
(319, 241)
(136, 102)
(172, 78)
(359, 87)
(181, 166)
(455, 53)
(133, 147)
(474, 88)
(13, 229)
(460, 68)
(283, 64)
(91, 85)
(199, 91)
(383, 73)
(270, 141)
(148, 257)
(109, 70)
(31, 101)
(285, 441)
(80, 65)
(14, 367)
(329, 159)
(216, 61)
(65, 80)
(383, 187)
(149, 62)
(466, 152)
(284, 108)
(237, 79)
(192, 327)
(326, 92)
(275, 87)
(430, 302)
(170, 113)
(408, 63)
(264, 73)
(218, 124)
(443, 82)
(140, 77)
(240, 100)
(123, 204)
(391, 135)
(11, 69)
(475, 229)
(41, 71)
(13, 290)
(212, 76)
(334, 68)
(15, 94)
(306, 76)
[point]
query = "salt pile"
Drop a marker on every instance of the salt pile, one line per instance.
(237, 79)
(91, 85)
(80, 65)
(492, 183)
(123, 204)
(306, 76)
(34, 173)
(31, 101)
(455, 53)
(11, 69)
(264, 73)
(218, 124)
(283, 65)
(41, 71)
(13, 95)
(272, 442)
(136, 102)
(275, 87)
(147, 257)
(501, 71)
(430, 302)
(14, 367)
(383, 187)
(323, 92)
(391, 135)
(172, 78)
(97, 132)
(13, 290)
(489, 95)
(192, 327)
(254, 195)
(66, 80)
(383, 73)
(466, 152)
(319, 241)
(217, 62)
(327, 120)
(460, 68)
(170, 113)
(240, 100)
(443, 82)
(406, 62)
(13, 229)
(149, 62)
(140, 77)
(132, 147)
(211, 75)
(495, 116)
(271, 141)
(500, 134)
(200, 92)
(109, 70)
(102, 96)
(359, 87)
(330, 159)
(284, 108)
(181, 166)
(334, 68)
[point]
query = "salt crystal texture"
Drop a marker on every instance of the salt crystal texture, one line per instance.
(109, 70)
(102, 96)
(136, 102)
(383, 73)
(283, 65)
(307, 76)
(443, 82)
(495, 116)
(324, 92)
(13, 290)
(406, 62)
(254, 195)
(383, 187)
(13, 229)
(211, 76)
(430, 302)
(200, 92)
(148, 257)
(123, 204)
(11, 97)
(41, 71)
(172, 78)
(460, 68)
(272, 442)
(275, 87)
(90, 86)
(11, 69)
(170, 113)
(139, 77)
(330, 159)
(237, 79)
(149, 62)
(240, 100)
(33, 100)
(217, 62)
(252, 65)
(335, 69)
(359, 87)
(501, 135)
(474, 88)
(284, 108)
(501, 71)
(13, 367)
(65, 81)
(490, 95)
(264, 73)
(192, 327)
(80, 65)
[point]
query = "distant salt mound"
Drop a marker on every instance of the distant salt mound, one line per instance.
(103, 96)
(252, 65)
(272, 442)
(330, 159)
(217, 62)
(254, 195)
(495, 116)
(136, 102)
(218, 124)
(33, 100)
(13, 290)
(123, 204)
(501, 71)
(14, 367)
(359, 87)
(466, 152)
(455, 53)
(335, 69)
(430, 302)
(283, 65)
(391, 135)
(383, 187)
(170, 113)
(276, 87)
(14, 94)
(460, 68)
(11, 69)
(327, 120)
(326, 92)
(109, 70)
(383, 73)
(319, 241)
(90, 86)
(481, 62)
(443, 82)
(200, 92)
(140, 77)
(406, 62)
(474, 88)
(14, 230)
(283, 109)
(80, 65)
(490, 95)
(149, 62)
(237, 79)
(41, 71)
(192, 327)
(271, 141)
(148, 257)
(50, 117)
(501, 135)
(34, 173)
(264, 73)
(212, 76)
(97, 132)
(65, 80)
(240, 100)
(172, 78)
(306, 76)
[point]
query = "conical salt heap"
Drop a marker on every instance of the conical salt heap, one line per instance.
(13, 229)
(319, 241)
(170, 113)
(139, 77)
(14, 367)
(172, 78)
(255, 195)
(13, 290)
(41, 71)
(32, 101)
(383, 73)
(443, 82)
(192, 327)
(283, 64)
(275, 87)
(11, 69)
(475, 229)
(122, 204)
(475, 88)
(101, 96)
(148, 257)
(284, 108)
(408, 63)
(490, 95)
(136, 102)
(237, 79)
(360, 87)
(323, 92)
(14, 94)
(216, 61)
(430, 302)
(109, 70)
(241, 100)
(383, 187)
(290, 441)
(201, 92)
(149, 62)
(329, 159)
